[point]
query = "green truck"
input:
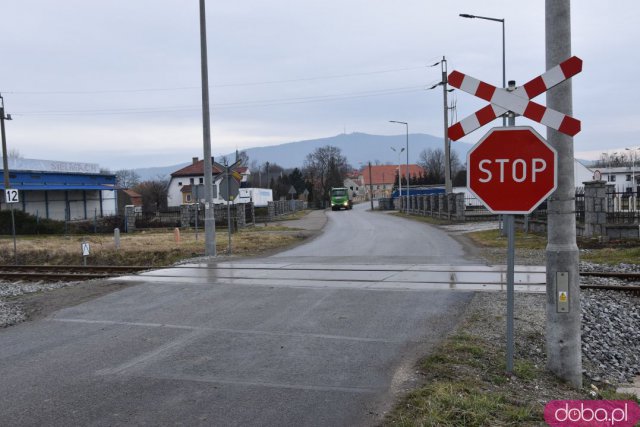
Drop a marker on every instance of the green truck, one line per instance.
(340, 199)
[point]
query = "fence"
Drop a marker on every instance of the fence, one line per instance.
(599, 211)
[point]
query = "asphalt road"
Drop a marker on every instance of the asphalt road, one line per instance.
(206, 346)
(358, 236)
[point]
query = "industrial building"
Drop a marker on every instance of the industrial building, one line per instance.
(61, 190)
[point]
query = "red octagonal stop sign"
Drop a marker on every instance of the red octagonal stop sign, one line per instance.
(512, 170)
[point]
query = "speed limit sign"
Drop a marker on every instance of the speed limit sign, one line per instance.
(11, 195)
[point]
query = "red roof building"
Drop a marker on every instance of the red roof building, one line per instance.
(383, 177)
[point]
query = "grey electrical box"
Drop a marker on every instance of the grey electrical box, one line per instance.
(562, 291)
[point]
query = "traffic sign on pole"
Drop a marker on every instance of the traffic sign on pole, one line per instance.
(512, 170)
(230, 191)
(518, 101)
(11, 195)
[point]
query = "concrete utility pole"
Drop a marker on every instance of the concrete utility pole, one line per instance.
(5, 167)
(564, 347)
(447, 146)
(209, 219)
(5, 157)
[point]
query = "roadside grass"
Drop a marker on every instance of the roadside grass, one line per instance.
(494, 239)
(612, 256)
(155, 248)
(465, 385)
(612, 252)
(463, 381)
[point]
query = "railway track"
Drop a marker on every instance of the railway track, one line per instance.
(65, 272)
(77, 273)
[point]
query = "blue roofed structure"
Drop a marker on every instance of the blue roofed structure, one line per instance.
(61, 190)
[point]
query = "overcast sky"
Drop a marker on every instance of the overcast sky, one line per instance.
(118, 82)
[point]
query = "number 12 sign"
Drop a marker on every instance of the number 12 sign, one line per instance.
(11, 195)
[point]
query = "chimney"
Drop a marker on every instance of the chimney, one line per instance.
(194, 160)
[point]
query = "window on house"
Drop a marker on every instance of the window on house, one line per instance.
(201, 180)
(188, 198)
(179, 184)
(191, 181)
(612, 178)
(629, 177)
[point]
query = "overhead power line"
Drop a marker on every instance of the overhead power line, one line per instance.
(170, 89)
(224, 106)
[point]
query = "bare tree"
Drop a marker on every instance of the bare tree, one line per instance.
(243, 157)
(154, 194)
(14, 154)
(613, 160)
(127, 178)
(433, 162)
(326, 167)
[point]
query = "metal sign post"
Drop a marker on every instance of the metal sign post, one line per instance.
(229, 188)
(11, 197)
(85, 251)
(525, 169)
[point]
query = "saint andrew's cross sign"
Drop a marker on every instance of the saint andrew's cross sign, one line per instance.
(518, 101)
(512, 170)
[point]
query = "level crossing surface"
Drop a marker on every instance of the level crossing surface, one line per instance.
(324, 334)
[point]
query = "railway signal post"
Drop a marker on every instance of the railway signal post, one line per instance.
(564, 352)
(564, 344)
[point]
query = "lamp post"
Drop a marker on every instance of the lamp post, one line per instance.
(504, 73)
(400, 171)
(399, 177)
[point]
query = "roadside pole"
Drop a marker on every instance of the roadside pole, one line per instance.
(564, 347)
(228, 206)
(209, 220)
(509, 225)
(447, 145)
(370, 187)
(5, 167)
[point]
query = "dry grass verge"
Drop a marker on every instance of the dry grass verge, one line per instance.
(147, 248)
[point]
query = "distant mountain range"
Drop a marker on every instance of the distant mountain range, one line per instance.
(358, 148)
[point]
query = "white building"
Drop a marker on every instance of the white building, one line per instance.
(624, 179)
(188, 181)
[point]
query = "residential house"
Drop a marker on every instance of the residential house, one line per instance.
(188, 182)
(353, 181)
(380, 179)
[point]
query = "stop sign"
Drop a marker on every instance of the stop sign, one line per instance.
(512, 170)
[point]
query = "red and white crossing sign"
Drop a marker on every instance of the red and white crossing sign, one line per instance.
(512, 170)
(518, 101)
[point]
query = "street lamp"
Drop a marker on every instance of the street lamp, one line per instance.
(400, 171)
(504, 74)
